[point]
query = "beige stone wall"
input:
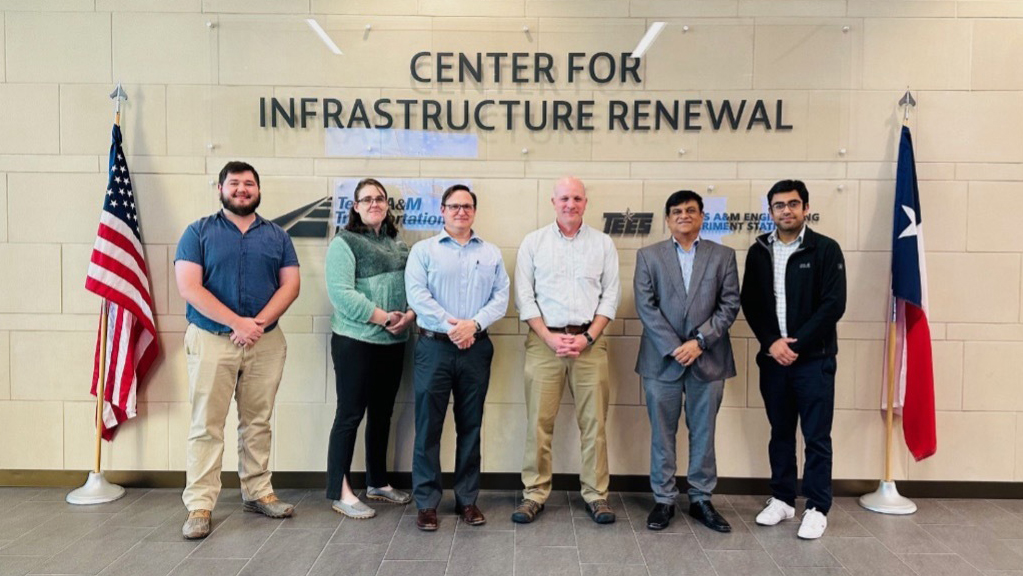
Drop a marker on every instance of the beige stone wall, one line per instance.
(840, 65)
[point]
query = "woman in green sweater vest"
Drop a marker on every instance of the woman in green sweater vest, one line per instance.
(366, 285)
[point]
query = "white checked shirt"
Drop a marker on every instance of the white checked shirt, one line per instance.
(781, 253)
(686, 259)
(567, 281)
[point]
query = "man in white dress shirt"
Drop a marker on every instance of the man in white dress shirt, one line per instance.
(567, 290)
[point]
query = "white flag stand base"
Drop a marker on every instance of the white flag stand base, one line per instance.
(96, 490)
(887, 500)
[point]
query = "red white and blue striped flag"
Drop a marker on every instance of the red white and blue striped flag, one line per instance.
(118, 273)
(914, 373)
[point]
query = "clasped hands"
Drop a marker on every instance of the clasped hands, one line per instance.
(781, 352)
(462, 333)
(566, 345)
(687, 353)
(246, 331)
(400, 321)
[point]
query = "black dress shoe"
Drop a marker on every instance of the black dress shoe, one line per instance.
(704, 512)
(660, 516)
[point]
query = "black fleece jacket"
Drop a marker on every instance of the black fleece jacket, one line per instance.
(814, 295)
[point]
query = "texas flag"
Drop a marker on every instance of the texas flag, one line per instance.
(914, 374)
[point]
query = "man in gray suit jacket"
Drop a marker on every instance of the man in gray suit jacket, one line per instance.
(687, 296)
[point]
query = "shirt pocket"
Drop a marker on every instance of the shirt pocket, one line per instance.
(484, 277)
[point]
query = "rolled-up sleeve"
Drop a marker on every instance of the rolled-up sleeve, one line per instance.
(610, 283)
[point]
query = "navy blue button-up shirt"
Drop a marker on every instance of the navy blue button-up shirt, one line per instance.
(241, 270)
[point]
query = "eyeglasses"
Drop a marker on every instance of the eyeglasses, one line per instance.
(688, 211)
(791, 205)
(374, 200)
(467, 208)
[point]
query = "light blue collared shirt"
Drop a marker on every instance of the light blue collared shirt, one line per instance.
(445, 280)
(686, 259)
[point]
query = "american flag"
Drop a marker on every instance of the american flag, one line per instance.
(118, 273)
(914, 371)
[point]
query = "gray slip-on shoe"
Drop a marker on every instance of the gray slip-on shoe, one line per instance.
(392, 495)
(270, 506)
(197, 525)
(358, 510)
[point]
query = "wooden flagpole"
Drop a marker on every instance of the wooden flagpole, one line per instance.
(100, 384)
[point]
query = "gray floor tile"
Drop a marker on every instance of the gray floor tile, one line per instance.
(349, 559)
(239, 536)
(977, 547)
(209, 567)
(1000, 522)
(841, 524)
(613, 570)
(54, 535)
(131, 495)
(151, 510)
(746, 506)
(900, 534)
(94, 551)
(288, 553)
(411, 543)
(740, 538)
(1015, 545)
(932, 512)
(1014, 506)
(553, 527)
(547, 561)
(18, 565)
(808, 571)
(865, 557)
(1003, 572)
(27, 516)
(377, 530)
(11, 495)
(614, 499)
(483, 553)
(315, 513)
(606, 543)
(788, 550)
(497, 507)
(743, 563)
(556, 497)
(150, 558)
(939, 565)
(665, 554)
(412, 568)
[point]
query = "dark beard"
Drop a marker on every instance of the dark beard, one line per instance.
(225, 201)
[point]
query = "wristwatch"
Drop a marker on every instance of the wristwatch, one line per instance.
(387, 324)
(700, 341)
(589, 339)
(478, 327)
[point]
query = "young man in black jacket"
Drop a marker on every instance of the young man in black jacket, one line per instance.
(793, 294)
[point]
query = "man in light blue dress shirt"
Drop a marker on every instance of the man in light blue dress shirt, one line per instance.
(457, 286)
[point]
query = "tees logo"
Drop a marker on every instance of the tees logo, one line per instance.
(805, 265)
(628, 222)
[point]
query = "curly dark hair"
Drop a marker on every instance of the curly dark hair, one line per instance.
(355, 223)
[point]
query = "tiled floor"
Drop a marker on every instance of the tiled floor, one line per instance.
(140, 535)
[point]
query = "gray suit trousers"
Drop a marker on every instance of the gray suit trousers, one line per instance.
(665, 402)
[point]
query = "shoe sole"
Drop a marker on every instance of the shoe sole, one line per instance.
(610, 520)
(258, 511)
(388, 500)
(656, 527)
(200, 537)
(427, 528)
(353, 517)
(759, 523)
(522, 519)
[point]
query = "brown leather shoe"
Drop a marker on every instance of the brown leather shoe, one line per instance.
(197, 525)
(471, 515)
(426, 520)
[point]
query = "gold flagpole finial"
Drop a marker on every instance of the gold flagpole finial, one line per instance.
(907, 102)
(118, 96)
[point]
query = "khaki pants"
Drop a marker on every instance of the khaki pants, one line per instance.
(218, 370)
(589, 384)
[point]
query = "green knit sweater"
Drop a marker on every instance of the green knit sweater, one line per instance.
(364, 272)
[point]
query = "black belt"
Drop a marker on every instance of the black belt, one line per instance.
(572, 329)
(441, 336)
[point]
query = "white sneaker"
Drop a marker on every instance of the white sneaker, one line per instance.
(813, 524)
(775, 512)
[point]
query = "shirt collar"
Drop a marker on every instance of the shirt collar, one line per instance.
(679, 246)
(557, 230)
(799, 239)
(445, 236)
(257, 222)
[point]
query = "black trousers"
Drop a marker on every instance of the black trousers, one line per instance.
(442, 370)
(802, 393)
(367, 378)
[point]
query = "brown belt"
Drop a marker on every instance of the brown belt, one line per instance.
(574, 330)
(444, 337)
